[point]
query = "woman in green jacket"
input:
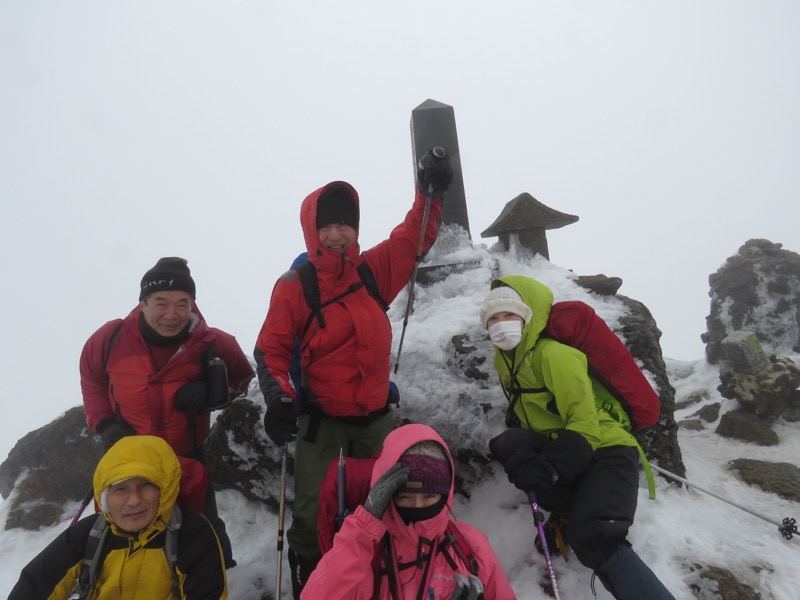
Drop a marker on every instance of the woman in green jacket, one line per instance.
(576, 458)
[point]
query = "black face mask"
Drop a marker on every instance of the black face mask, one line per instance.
(414, 515)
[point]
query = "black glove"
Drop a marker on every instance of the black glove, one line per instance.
(570, 454)
(381, 493)
(434, 169)
(529, 470)
(280, 420)
(192, 397)
(112, 430)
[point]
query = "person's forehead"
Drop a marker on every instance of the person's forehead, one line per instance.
(133, 481)
(172, 296)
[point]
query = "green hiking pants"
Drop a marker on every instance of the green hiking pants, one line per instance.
(311, 462)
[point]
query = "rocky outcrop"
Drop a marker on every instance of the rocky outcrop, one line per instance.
(769, 393)
(757, 289)
(641, 335)
(782, 479)
(711, 582)
(47, 469)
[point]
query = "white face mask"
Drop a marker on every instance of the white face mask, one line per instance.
(506, 334)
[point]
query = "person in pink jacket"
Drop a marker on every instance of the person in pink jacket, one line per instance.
(395, 545)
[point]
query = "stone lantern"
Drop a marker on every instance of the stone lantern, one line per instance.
(524, 220)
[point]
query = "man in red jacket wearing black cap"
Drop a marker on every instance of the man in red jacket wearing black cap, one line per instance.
(344, 347)
(161, 371)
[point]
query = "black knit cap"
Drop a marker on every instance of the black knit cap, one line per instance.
(170, 274)
(337, 205)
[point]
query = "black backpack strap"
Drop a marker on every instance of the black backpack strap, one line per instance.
(171, 547)
(368, 277)
(383, 554)
(92, 554)
(514, 391)
(112, 341)
(308, 278)
(454, 538)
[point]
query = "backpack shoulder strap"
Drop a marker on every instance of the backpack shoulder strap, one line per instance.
(308, 278)
(456, 539)
(368, 277)
(383, 556)
(92, 553)
(112, 341)
(171, 546)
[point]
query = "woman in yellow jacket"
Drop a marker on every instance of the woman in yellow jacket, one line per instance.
(136, 485)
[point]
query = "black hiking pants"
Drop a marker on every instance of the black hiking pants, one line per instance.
(600, 503)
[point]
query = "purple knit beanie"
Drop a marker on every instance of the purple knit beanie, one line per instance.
(429, 469)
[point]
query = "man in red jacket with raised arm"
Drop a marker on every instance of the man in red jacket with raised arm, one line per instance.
(344, 347)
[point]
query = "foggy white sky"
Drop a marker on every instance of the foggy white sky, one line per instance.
(135, 130)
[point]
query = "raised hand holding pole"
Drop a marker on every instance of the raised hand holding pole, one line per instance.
(438, 152)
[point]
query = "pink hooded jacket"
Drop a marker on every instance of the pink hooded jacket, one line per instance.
(346, 571)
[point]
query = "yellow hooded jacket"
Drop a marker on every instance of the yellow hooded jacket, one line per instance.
(135, 565)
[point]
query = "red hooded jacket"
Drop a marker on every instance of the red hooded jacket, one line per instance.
(346, 364)
(125, 384)
(346, 571)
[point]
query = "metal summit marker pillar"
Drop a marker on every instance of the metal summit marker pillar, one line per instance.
(434, 124)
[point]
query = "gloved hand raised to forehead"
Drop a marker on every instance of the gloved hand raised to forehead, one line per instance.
(434, 169)
(381, 493)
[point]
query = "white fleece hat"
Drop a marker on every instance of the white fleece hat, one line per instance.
(504, 299)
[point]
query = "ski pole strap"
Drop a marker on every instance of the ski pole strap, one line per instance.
(651, 484)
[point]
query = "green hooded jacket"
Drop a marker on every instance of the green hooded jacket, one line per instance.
(557, 391)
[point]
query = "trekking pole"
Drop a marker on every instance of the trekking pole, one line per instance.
(438, 152)
(82, 507)
(787, 528)
(341, 489)
(193, 435)
(281, 513)
(538, 518)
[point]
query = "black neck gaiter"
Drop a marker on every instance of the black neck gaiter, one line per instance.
(413, 515)
(152, 337)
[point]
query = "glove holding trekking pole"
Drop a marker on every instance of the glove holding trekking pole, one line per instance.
(381, 493)
(529, 470)
(434, 169)
(280, 420)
